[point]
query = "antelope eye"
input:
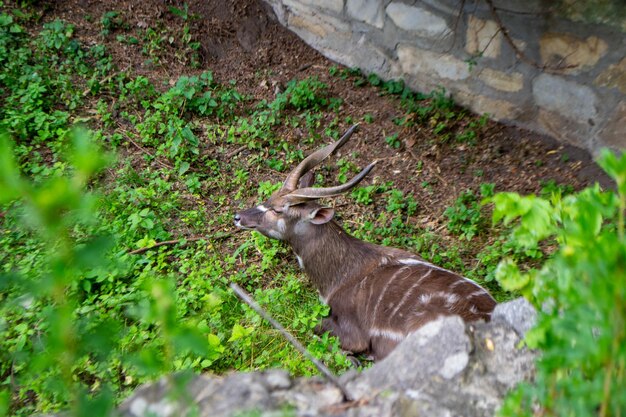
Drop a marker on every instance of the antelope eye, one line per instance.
(276, 209)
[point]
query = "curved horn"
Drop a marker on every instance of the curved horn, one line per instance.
(291, 182)
(310, 193)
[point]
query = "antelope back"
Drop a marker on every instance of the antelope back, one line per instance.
(400, 296)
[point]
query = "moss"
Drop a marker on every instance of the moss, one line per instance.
(610, 12)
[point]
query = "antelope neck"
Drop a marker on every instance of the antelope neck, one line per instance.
(330, 255)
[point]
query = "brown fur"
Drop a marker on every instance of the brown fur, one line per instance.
(377, 295)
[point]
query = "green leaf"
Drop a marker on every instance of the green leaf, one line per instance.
(240, 332)
(509, 276)
(184, 167)
(10, 182)
(615, 166)
(5, 399)
(190, 340)
(189, 136)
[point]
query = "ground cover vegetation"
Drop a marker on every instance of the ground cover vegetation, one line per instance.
(117, 192)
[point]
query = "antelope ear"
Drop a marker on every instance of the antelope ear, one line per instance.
(321, 215)
(307, 180)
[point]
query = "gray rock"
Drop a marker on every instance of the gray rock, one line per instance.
(418, 20)
(518, 313)
(368, 11)
(440, 349)
(572, 100)
(446, 368)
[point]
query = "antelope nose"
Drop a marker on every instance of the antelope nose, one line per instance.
(237, 218)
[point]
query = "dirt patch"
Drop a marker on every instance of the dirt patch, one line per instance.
(242, 41)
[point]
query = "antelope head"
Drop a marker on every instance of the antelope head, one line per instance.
(292, 212)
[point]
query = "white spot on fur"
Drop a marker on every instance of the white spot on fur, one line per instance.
(425, 298)
(387, 333)
(300, 262)
(262, 208)
(451, 299)
(275, 234)
(281, 225)
(301, 227)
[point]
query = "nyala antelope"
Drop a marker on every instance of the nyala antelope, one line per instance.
(377, 295)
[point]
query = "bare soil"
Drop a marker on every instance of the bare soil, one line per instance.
(241, 40)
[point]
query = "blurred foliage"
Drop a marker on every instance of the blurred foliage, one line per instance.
(580, 292)
(612, 12)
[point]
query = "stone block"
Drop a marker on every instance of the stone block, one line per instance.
(571, 131)
(567, 98)
(496, 108)
(483, 38)
(613, 77)
(502, 81)
(417, 20)
(335, 6)
(308, 23)
(518, 313)
(613, 134)
(368, 11)
(415, 61)
(573, 54)
(443, 348)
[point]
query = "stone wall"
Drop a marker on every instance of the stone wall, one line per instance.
(518, 60)
(446, 368)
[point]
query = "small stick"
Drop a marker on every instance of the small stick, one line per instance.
(243, 294)
(167, 242)
(236, 151)
(106, 79)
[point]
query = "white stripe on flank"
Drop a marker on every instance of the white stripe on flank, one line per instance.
(479, 293)
(406, 296)
(384, 290)
(413, 261)
(388, 333)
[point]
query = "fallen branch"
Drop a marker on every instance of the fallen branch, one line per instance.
(106, 79)
(174, 242)
(247, 298)
(236, 151)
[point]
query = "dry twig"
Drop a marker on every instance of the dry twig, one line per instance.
(247, 298)
(174, 242)
(518, 52)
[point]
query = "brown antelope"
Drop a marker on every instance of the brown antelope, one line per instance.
(377, 295)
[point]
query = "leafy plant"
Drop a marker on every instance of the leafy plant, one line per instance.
(309, 93)
(393, 141)
(465, 216)
(580, 293)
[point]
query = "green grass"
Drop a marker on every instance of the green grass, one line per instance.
(82, 319)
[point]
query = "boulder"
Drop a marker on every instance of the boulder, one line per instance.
(446, 368)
